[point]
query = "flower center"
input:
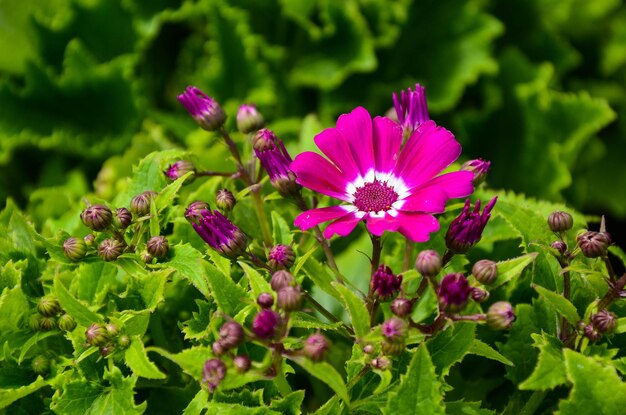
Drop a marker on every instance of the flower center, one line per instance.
(374, 197)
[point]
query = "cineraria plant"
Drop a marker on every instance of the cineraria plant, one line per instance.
(244, 291)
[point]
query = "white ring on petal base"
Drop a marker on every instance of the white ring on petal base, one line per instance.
(396, 183)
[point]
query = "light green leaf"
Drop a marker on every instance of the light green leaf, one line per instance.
(155, 229)
(198, 403)
(483, 349)
(166, 196)
(320, 276)
(290, 404)
(560, 303)
(81, 313)
(550, 369)
(222, 263)
(189, 360)
(466, 408)
(258, 284)
(8, 396)
(281, 232)
(188, 263)
(137, 360)
(36, 338)
(356, 307)
(512, 268)
(327, 374)
(226, 293)
(14, 309)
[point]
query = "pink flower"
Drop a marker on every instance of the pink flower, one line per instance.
(389, 187)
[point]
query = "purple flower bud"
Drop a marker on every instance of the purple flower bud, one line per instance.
(281, 257)
(265, 140)
(122, 218)
(221, 234)
(110, 249)
(47, 323)
(594, 244)
(485, 271)
(500, 316)
(380, 363)
(394, 330)
(48, 306)
(428, 263)
(140, 204)
(242, 363)
(40, 365)
(249, 119)
(265, 300)
(479, 295)
(231, 334)
(66, 322)
(289, 298)
(107, 349)
(315, 347)
(411, 108)
(275, 159)
(560, 221)
(401, 307)
(385, 284)
(213, 372)
(179, 169)
(97, 217)
(466, 230)
(146, 257)
(560, 246)
(225, 200)
(454, 291)
(74, 248)
(158, 246)
(203, 109)
(96, 335)
(368, 349)
(281, 279)
(266, 324)
(193, 213)
(218, 348)
(604, 321)
(479, 167)
(591, 333)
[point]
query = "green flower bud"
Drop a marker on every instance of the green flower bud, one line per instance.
(66, 322)
(428, 263)
(110, 249)
(225, 200)
(122, 218)
(40, 365)
(500, 316)
(97, 217)
(112, 330)
(47, 323)
(74, 248)
(140, 204)
(249, 119)
(107, 349)
(123, 341)
(158, 246)
(96, 335)
(48, 306)
(89, 239)
(392, 348)
(485, 271)
(34, 322)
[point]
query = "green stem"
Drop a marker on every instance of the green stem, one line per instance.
(567, 280)
(408, 253)
(372, 304)
(533, 403)
(344, 329)
(262, 217)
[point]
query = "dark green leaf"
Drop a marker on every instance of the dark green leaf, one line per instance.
(560, 303)
(550, 370)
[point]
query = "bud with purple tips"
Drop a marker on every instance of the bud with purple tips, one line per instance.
(265, 300)
(385, 284)
(401, 307)
(479, 295)
(122, 218)
(560, 221)
(97, 217)
(96, 335)
(485, 271)
(428, 263)
(289, 298)
(454, 291)
(213, 372)
(231, 334)
(281, 279)
(140, 204)
(242, 363)
(281, 257)
(221, 234)
(411, 108)
(89, 239)
(203, 109)
(218, 348)
(66, 322)
(593, 244)
(591, 333)
(604, 321)
(479, 167)
(500, 316)
(560, 246)
(275, 159)
(266, 324)
(225, 200)
(158, 246)
(110, 249)
(74, 248)
(380, 363)
(107, 349)
(466, 229)
(179, 169)
(249, 119)
(315, 347)
(193, 213)
(394, 330)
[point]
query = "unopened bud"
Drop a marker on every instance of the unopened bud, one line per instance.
(401, 307)
(96, 335)
(123, 341)
(560, 221)
(74, 248)
(394, 330)
(289, 298)
(179, 169)
(122, 218)
(218, 348)
(264, 140)
(66, 322)
(158, 246)
(454, 291)
(242, 363)
(140, 204)
(231, 334)
(315, 347)
(485, 271)
(48, 306)
(368, 349)
(479, 295)
(479, 167)
(385, 284)
(112, 330)
(34, 322)
(213, 372)
(206, 111)
(193, 213)
(281, 279)
(391, 348)
(281, 257)
(97, 217)
(40, 365)
(265, 300)
(380, 363)
(604, 321)
(560, 246)
(107, 349)
(594, 244)
(428, 263)
(110, 249)
(89, 239)
(249, 119)
(266, 324)
(146, 257)
(225, 200)
(47, 323)
(591, 333)
(500, 316)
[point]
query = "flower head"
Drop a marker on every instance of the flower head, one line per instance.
(202, 108)
(500, 316)
(385, 284)
(220, 233)
(411, 108)
(97, 217)
(391, 189)
(316, 346)
(466, 229)
(275, 159)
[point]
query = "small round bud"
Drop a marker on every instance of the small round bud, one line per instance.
(112, 330)
(479, 167)
(385, 284)
(281, 257)
(380, 363)
(40, 365)
(394, 330)
(193, 213)
(107, 349)
(289, 298)
(158, 246)
(485, 271)
(74, 248)
(225, 200)
(47, 323)
(34, 322)
(122, 218)
(89, 239)
(428, 263)
(66, 322)
(179, 169)
(479, 295)
(242, 363)
(213, 372)
(249, 119)
(454, 291)
(281, 279)
(48, 306)
(500, 316)
(266, 324)
(591, 333)
(560, 221)
(560, 246)
(265, 300)
(97, 217)
(96, 335)
(604, 321)
(315, 347)
(218, 348)
(140, 204)
(368, 349)
(594, 244)
(123, 341)
(401, 307)
(110, 249)
(231, 334)
(146, 257)
(391, 348)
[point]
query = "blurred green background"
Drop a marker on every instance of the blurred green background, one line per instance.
(88, 87)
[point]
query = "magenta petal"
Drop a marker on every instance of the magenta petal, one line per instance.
(378, 226)
(417, 226)
(317, 173)
(313, 217)
(430, 199)
(356, 127)
(428, 151)
(456, 184)
(335, 146)
(387, 142)
(342, 226)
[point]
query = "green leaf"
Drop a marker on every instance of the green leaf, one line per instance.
(149, 288)
(420, 389)
(482, 349)
(307, 321)
(466, 408)
(560, 303)
(8, 396)
(517, 347)
(258, 284)
(327, 374)
(222, 263)
(137, 360)
(356, 307)
(36, 338)
(226, 293)
(198, 403)
(14, 309)
(550, 369)
(281, 233)
(597, 387)
(188, 263)
(319, 275)
(512, 268)
(155, 228)
(81, 313)
(190, 360)
(451, 345)
(166, 196)
(288, 405)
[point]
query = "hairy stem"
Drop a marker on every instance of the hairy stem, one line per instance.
(257, 202)
(372, 304)
(344, 329)
(408, 255)
(613, 293)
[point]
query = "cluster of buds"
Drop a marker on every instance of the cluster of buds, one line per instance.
(50, 315)
(216, 230)
(275, 159)
(601, 323)
(108, 338)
